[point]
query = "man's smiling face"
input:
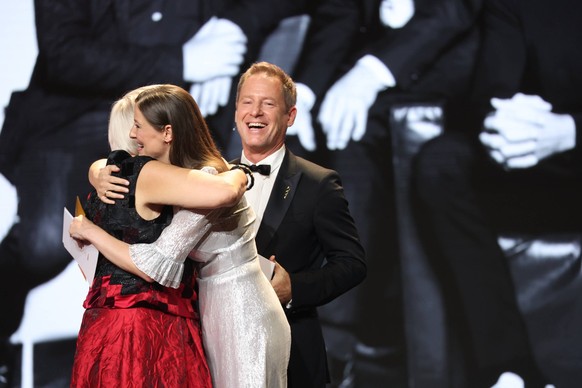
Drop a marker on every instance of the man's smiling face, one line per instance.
(261, 115)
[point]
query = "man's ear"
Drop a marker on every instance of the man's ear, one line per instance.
(292, 115)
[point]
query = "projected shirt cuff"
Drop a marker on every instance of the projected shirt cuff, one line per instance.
(376, 66)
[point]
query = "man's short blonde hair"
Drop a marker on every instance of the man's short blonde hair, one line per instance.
(271, 70)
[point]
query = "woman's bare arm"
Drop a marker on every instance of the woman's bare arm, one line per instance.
(161, 183)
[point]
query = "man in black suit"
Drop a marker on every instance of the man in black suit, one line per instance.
(360, 59)
(90, 53)
(303, 219)
(516, 170)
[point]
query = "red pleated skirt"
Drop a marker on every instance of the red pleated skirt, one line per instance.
(139, 347)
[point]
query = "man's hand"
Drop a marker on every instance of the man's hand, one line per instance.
(303, 125)
(211, 94)
(344, 111)
(281, 282)
(217, 50)
(522, 131)
(109, 187)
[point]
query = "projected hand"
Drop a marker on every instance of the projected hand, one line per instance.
(344, 111)
(216, 50)
(522, 131)
(303, 126)
(211, 94)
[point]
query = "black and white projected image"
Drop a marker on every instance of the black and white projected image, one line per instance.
(453, 124)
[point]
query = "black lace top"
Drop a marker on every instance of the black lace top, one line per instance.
(115, 288)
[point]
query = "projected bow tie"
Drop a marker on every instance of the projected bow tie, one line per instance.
(263, 169)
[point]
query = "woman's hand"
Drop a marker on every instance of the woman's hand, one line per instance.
(109, 187)
(80, 230)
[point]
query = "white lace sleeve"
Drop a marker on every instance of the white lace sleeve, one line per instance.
(163, 260)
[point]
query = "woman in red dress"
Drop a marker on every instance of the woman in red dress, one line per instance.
(135, 332)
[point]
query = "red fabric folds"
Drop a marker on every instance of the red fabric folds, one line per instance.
(139, 347)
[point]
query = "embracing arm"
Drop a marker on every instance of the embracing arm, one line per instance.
(161, 183)
(161, 261)
(114, 250)
(94, 171)
(190, 188)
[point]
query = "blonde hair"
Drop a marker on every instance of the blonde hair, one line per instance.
(121, 121)
(271, 70)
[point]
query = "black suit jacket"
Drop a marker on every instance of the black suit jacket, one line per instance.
(307, 224)
(86, 60)
(439, 38)
(524, 50)
(88, 57)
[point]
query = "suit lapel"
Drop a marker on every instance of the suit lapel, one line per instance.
(283, 192)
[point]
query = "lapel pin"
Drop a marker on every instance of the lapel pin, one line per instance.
(286, 192)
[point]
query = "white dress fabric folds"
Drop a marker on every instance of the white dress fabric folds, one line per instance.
(246, 335)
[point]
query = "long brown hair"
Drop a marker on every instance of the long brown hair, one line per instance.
(192, 144)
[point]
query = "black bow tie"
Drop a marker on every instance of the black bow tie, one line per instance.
(263, 169)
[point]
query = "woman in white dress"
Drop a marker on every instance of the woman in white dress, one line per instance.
(245, 332)
(246, 335)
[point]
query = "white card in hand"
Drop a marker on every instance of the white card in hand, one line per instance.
(267, 267)
(86, 257)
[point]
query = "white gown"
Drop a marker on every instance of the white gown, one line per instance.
(245, 332)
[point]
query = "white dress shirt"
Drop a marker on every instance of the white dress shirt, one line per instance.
(258, 196)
